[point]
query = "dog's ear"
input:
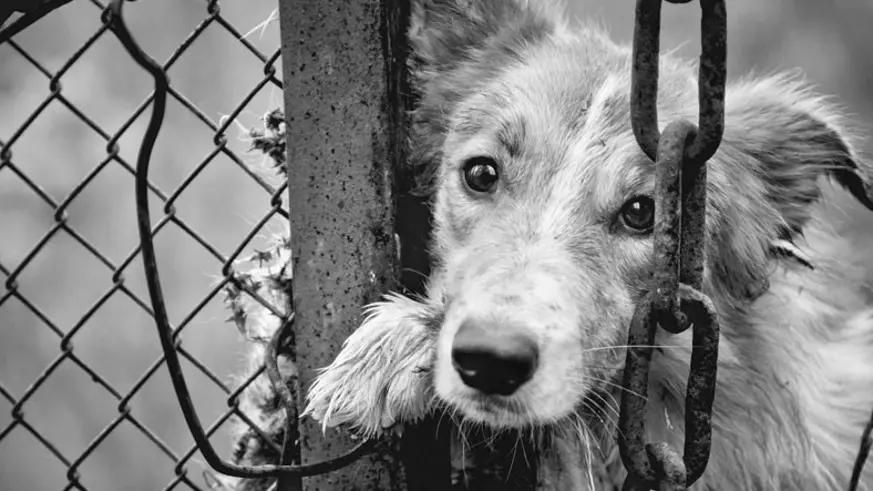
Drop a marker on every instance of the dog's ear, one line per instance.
(794, 137)
(447, 33)
(780, 140)
(460, 45)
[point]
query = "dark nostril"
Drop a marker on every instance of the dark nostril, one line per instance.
(497, 360)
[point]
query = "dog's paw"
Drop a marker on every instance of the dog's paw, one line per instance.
(381, 377)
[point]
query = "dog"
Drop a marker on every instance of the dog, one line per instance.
(543, 209)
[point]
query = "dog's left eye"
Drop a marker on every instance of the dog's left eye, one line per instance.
(480, 174)
(638, 214)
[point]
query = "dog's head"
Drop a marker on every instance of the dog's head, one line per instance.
(543, 200)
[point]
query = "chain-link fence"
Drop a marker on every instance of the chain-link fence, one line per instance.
(97, 410)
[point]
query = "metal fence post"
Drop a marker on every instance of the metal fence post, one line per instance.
(344, 66)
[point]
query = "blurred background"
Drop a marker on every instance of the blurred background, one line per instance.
(64, 281)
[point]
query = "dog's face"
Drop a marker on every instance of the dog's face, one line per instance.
(544, 207)
(544, 215)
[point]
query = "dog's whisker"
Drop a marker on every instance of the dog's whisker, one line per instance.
(607, 405)
(443, 413)
(627, 346)
(609, 425)
(589, 459)
(617, 386)
(599, 418)
(413, 270)
(512, 457)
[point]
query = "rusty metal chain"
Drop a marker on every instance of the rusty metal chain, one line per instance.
(113, 17)
(863, 454)
(32, 10)
(676, 301)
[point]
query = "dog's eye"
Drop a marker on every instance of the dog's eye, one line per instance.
(638, 214)
(480, 174)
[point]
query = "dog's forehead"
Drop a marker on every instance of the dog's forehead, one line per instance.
(552, 88)
(562, 115)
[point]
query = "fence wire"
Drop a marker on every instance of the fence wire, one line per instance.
(183, 468)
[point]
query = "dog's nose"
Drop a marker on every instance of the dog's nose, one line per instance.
(496, 360)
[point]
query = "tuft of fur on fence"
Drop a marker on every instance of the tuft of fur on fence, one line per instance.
(266, 273)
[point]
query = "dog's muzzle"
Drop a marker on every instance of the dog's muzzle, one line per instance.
(493, 358)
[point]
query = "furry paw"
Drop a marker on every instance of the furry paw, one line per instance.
(382, 375)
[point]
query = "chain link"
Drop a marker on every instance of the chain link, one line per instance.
(116, 22)
(675, 302)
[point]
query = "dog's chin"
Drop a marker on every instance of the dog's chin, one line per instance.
(492, 414)
(502, 412)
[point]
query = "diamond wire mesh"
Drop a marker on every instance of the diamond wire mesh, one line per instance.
(68, 249)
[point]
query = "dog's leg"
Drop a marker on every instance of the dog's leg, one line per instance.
(382, 375)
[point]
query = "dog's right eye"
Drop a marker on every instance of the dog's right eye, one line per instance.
(638, 214)
(480, 174)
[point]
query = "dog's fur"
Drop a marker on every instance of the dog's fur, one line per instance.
(550, 103)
